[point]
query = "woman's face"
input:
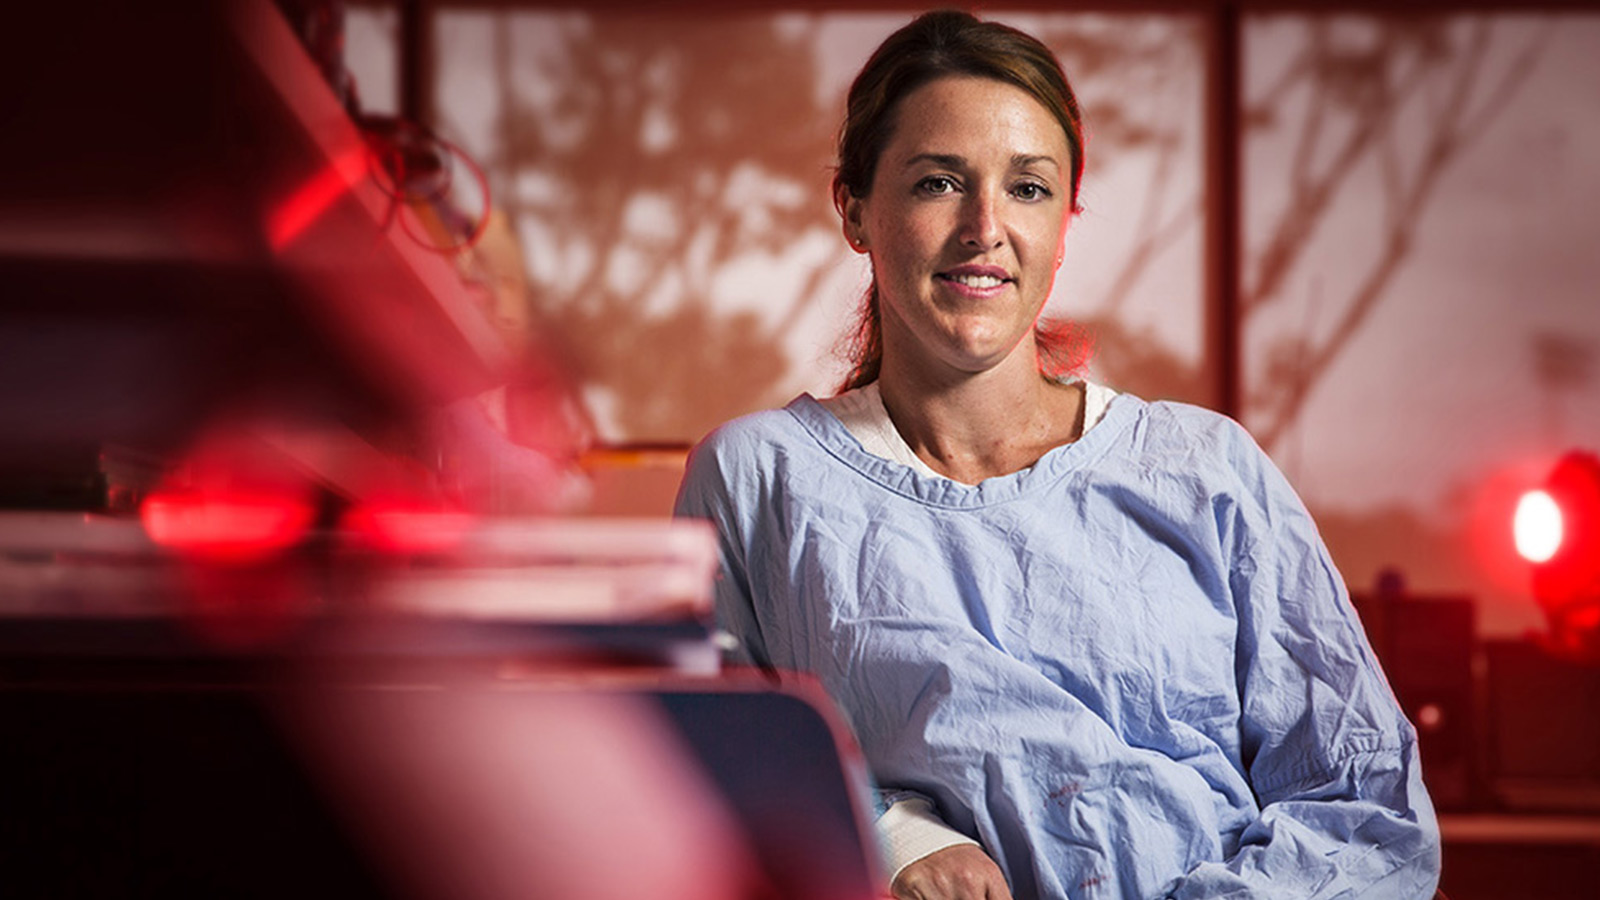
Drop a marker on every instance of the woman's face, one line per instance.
(964, 223)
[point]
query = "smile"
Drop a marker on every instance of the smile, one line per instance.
(976, 281)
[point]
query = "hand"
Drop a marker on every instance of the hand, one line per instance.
(962, 872)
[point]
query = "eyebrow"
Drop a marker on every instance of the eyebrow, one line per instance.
(952, 161)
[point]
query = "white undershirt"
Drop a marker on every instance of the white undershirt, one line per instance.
(910, 829)
(862, 413)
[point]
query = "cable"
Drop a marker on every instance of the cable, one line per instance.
(420, 167)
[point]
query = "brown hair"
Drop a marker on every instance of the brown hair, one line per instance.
(933, 46)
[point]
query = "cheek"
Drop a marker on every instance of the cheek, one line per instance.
(903, 245)
(1048, 232)
(1045, 243)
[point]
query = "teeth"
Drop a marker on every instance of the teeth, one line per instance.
(978, 281)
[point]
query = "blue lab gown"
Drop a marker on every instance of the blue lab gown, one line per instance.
(1129, 671)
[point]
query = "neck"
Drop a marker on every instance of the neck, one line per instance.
(973, 426)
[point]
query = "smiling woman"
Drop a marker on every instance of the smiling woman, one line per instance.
(886, 106)
(1091, 646)
(964, 223)
(965, 219)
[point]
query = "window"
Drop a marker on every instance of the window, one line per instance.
(669, 178)
(1421, 329)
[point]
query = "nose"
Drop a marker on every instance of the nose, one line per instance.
(980, 221)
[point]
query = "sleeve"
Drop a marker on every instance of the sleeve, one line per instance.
(909, 829)
(709, 491)
(1331, 758)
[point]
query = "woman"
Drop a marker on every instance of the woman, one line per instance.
(1091, 646)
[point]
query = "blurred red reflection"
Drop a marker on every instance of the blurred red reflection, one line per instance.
(309, 201)
(226, 524)
(487, 792)
(403, 525)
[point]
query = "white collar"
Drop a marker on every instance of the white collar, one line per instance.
(862, 413)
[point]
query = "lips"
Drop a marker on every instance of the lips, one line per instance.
(977, 280)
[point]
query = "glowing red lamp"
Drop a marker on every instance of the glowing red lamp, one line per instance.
(1537, 526)
(1557, 529)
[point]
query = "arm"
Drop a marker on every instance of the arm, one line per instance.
(910, 830)
(1364, 830)
(1332, 761)
(929, 860)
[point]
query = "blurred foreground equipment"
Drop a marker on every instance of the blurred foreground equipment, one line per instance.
(193, 231)
(480, 709)
(269, 626)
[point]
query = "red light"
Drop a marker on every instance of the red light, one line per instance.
(1488, 549)
(404, 526)
(1564, 537)
(1430, 717)
(1537, 527)
(226, 525)
(313, 198)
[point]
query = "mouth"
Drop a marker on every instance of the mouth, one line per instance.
(976, 279)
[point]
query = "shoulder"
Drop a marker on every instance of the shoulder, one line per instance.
(750, 439)
(742, 457)
(1196, 456)
(1182, 432)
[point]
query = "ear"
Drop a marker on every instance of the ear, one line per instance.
(850, 214)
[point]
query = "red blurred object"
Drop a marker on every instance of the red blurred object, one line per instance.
(313, 198)
(1487, 550)
(401, 525)
(238, 525)
(1567, 582)
(598, 786)
(232, 512)
(464, 793)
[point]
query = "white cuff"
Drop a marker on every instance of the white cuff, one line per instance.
(910, 830)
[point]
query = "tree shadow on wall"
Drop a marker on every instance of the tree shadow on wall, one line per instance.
(644, 157)
(1130, 359)
(691, 368)
(1408, 94)
(660, 152)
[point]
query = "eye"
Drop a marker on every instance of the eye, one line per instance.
(1031, 191)
(936, 185)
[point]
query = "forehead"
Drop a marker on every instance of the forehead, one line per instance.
(971, 116)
